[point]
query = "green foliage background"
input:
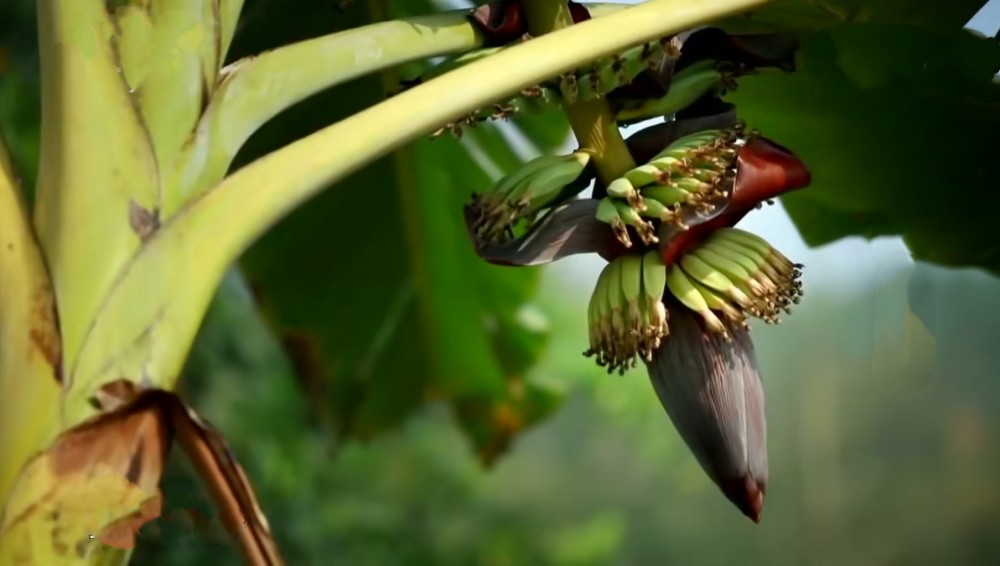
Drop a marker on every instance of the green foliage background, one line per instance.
(339, 357)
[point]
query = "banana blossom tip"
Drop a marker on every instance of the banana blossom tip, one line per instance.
(711, 390)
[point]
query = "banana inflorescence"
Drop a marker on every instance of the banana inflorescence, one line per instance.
(532, 99)
(738, 275)
(726, 276)
(627, 317)
(587, 83)
(695, 171)
(606, 75)
(686, 86)
(521, 195)
(731, 276)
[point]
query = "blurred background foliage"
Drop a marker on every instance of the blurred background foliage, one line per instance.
(340, 356)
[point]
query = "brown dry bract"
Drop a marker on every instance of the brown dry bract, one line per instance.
(131, 439)
(211, 457)
(227, 483)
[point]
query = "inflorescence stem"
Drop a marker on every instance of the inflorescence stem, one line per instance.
(591, 120)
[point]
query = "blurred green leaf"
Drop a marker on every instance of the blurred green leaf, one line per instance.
(20, 98)
(896, 124)
(811, 15)
(374, 287)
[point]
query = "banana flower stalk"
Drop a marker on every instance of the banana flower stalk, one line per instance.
(680, 300)
(681, 282)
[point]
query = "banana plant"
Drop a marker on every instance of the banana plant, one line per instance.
(136, 215)
(141, 205)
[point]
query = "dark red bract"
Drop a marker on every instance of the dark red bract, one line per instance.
(764, 170)
(503, 21)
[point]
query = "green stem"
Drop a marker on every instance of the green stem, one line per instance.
(591, 120)
(150, 320)
(256, 89)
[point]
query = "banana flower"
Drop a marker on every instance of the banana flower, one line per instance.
(682, 282)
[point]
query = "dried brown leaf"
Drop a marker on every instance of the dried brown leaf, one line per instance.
(228, 485)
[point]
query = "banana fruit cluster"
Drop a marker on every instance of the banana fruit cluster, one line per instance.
(613, 72)
(694, 171)
(736, 274)
(733, 275)
(594, 81)
(535, 98)
(627, 317)
(686, 86)
(521, 195)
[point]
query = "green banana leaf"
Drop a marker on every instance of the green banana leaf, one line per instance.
(813, 15)
(373, 287)
(896, 122)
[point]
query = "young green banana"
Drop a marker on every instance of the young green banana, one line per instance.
(607, 212)
(616, 297)
(775, 258)
(523, 193)
(718, 303)
(737, 248)
(712, 278)
(680, 286)
(688, 145)
(548, 184)
(731, 269)
(657, 210)
(741, 247)
(631, 217)
(631, 273)
(685, 89)
(622, 188)
(692, 185)
(764, 284)
(654, 281)
(669, 196)
(732, 254)
(647, 174)
(512, 184)
(616, 71)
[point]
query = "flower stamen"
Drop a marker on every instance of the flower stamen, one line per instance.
(535, 186)
(743, 270)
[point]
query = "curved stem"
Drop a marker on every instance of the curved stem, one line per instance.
(256, 89)
(591, 120)
(150, 320)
